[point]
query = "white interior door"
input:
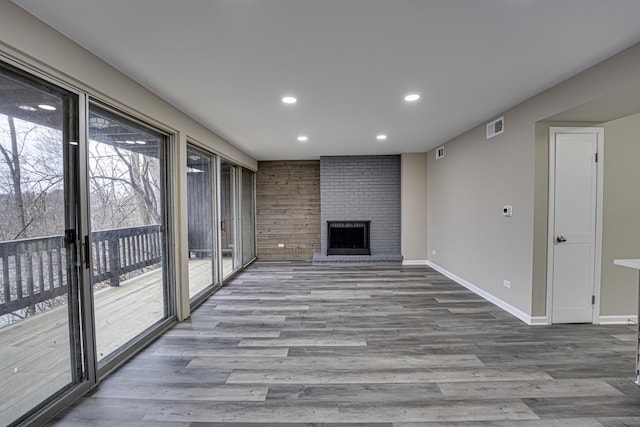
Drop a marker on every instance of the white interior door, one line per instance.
(573, 224)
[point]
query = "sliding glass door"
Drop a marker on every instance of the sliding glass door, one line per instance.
(221, 229)
(248, 216)
(128, 257)
(228, 217)
(84, 239)
(40, 346)
(203, 248)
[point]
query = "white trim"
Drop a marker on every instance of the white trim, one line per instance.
(551, 207)
(597, 268)
(491, 298)
(630, 319)
(539, 321)
(597, 283)
(415, 262)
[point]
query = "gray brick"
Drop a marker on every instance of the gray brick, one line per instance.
(363, 188)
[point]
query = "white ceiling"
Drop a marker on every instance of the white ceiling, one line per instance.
(227, 63)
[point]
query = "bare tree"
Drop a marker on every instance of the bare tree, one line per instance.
(12, 157)
(123, 184)
(31, 181)
(144, 187)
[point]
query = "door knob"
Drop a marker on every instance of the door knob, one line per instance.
(561, 239)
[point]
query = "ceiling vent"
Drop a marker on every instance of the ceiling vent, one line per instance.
(440, 152)
(496, 127)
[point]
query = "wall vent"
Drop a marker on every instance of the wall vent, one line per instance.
(440, 152)
(496, 127)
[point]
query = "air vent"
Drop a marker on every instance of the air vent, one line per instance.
(496, 127)
(440, 152)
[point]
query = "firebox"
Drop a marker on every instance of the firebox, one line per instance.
(348, 238)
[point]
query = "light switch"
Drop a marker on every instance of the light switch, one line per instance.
(507, 210)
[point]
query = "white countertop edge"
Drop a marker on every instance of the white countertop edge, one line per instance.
(631, 263)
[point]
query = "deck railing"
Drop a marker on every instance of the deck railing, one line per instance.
(35, 270)
(124, 250)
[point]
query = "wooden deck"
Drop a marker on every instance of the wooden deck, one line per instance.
(35, 352)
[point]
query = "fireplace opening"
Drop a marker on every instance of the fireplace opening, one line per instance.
(348, 238)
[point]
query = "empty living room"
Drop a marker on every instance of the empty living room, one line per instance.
(301, 213)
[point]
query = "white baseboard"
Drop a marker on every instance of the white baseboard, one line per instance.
(415, 262)
(539, 321)
(630, 319)
(529, 320)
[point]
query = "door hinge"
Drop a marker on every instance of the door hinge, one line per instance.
(596, 157)
(593, 300)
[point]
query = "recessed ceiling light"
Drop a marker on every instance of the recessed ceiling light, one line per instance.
(412, 97)
(27, 108)
(47, 107)
(303, 138)
(289, 100)
(381, 137)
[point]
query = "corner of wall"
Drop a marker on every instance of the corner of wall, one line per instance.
(540, 221)
(413, 201)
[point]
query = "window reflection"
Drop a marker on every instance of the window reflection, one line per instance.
(200, 214)
(126, 194)
(38, 308)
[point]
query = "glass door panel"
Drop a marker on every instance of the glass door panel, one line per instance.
(228, 215)
(126, 186)
(248, 217)
(201, 221)
(40, 350)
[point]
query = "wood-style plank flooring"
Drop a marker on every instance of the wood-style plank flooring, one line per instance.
(290, 344)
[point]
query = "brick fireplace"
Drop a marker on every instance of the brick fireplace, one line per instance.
(360, 189)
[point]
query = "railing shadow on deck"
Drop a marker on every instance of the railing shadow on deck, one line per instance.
(35, 270)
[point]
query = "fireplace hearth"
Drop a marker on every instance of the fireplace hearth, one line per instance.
(348, 238)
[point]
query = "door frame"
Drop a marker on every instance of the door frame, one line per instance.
(63, 398)
(597, 264)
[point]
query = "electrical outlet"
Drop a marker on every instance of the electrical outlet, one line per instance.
(281, 245)
(507, 284)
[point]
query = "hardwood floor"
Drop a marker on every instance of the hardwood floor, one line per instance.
(288, 344)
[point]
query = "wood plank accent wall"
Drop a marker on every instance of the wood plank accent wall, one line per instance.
(288, 209)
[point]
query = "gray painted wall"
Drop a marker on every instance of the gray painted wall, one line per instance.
(621, 215)
(467, 189)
